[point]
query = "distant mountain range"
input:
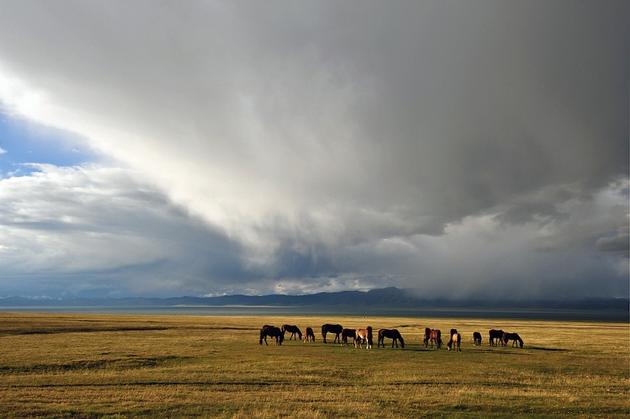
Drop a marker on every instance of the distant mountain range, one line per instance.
(385, 297)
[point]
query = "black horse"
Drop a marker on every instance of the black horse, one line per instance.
(348, 333)
(310, 335)
(477, 338)
(293, 329)
(392, 334)
(495, 336)
(514, 337)
(332, 328)
(271, 331)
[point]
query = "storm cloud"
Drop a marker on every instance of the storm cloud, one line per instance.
(479, 146)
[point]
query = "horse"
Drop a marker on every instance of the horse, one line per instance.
(455, 342)
(310, 335)
(271, 331)
(348, 333)
(433, 336)
(514, 337)
(364, 336)
(392, 334)
(293, 330)
(495, 334)
(332, 328)
(477, 338)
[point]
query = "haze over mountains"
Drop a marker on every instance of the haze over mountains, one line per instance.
(345, 301)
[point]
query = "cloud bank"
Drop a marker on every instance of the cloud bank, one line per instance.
(462, 148)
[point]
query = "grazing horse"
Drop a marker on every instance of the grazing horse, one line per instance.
(477, 338)
(332, 328)
(364, 336)
(495, 335)
(433, 336)
(455, 342)
(514, 337)
(348, 333)
(293, 330)
(271, 331)
(392, 334)
(310, 335)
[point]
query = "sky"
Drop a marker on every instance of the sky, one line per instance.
(457, 148)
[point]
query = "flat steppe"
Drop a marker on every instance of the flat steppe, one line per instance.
(80, 365)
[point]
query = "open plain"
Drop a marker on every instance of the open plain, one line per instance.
(59, 365)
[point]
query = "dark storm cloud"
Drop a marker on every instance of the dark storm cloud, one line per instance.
(334, 138)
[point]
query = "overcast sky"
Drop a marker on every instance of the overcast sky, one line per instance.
(460, 148)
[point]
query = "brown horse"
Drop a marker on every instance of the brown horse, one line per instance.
(348, 333)
(477, 338)
(495, 336)
(332, 328)
(310, 335)
(514, 337)
(392, 334)
(271, 331)
(433, 336)
(364, 336)
(455, 342)
(293, 329)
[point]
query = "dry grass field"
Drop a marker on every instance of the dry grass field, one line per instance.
(55, 365)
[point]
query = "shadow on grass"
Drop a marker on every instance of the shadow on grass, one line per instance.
(120, 363)
(49, 331)
(542, 348)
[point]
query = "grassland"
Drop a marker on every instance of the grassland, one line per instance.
(181, 366)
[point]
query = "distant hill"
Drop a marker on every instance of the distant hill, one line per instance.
(383, 297)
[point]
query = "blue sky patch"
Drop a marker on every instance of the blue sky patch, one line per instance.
(23, 141)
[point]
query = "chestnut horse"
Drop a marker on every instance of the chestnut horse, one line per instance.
(293, 329)
(271, 331)
(310, 335)
(332, 328)
(392, 334)
(433, 336)
(348, 333)
(364, 336)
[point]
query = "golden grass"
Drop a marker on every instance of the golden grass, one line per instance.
(181, 366)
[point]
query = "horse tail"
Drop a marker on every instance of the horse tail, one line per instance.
(324, 329)
(369, 335)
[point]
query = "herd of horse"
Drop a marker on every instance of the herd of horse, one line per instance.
(360, 337)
